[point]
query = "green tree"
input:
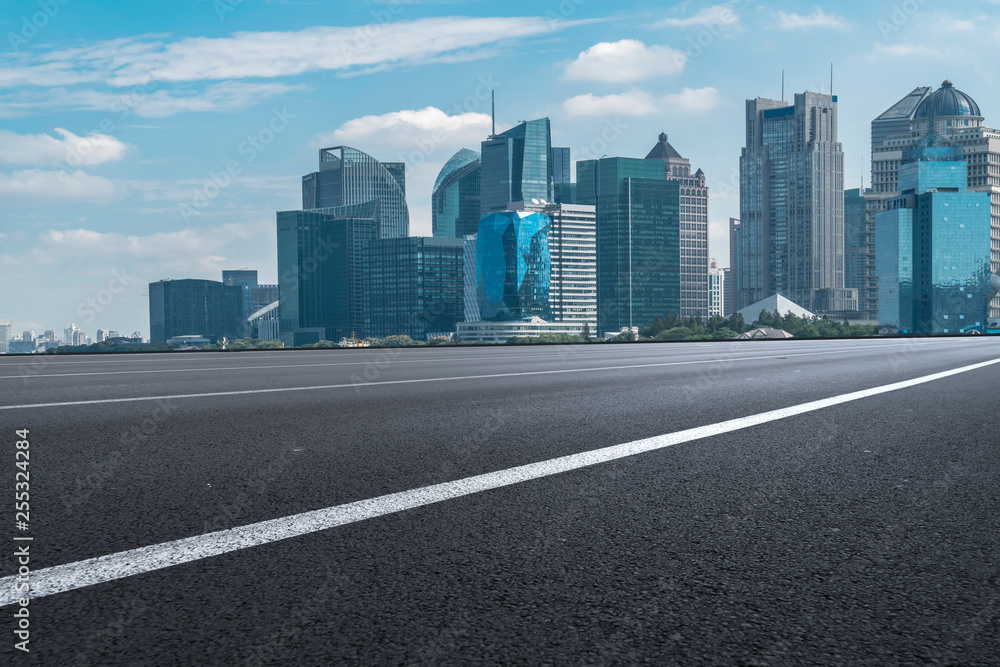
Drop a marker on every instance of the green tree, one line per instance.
(586, 332)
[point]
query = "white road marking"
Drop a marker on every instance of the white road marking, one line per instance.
(103, 569)
(275, 390)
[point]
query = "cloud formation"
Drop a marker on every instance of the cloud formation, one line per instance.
(638, 102)
(818, 19)
(725, 14)
(625, 61)
(44, 149)
(31, 186)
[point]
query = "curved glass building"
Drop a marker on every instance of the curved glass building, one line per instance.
(513, 266)
(348, 177)
(455, 199)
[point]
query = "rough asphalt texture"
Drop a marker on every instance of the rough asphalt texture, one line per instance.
(863, 534)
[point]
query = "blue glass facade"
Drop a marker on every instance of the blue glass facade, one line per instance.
(455, 200)
(933, 248)
(349, 177)
(517, 166)
(638, 239)
(513, 266)
(192, 307)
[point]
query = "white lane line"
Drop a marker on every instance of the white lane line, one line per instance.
(426, 360)
(277, 390)
(62, 578)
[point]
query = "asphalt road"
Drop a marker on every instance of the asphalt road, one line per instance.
(864, 533)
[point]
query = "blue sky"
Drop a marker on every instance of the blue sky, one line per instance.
(118, 121)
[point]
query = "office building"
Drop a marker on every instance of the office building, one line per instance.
(320, 273)
(638, 239)
(573, 250)
(456, 199)
(562, 167)
(954, 116)
(517, 166)
(190, 307)
(933, 245)
(348, 177)
(694, 226)
(716, 289)
(470, 312)
(513, 266)
(859, 244)
(413, 286)
(790, 235)
(245, 279)
(6, 334)
(528, 327)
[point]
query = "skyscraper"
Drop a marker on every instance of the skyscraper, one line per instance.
(517, 166)
(349, 177)
(638, 239)
(791, 229)
(951, 115)
(694, 227)
(193, 307)
(561, 165)
(456, 198)
(513, 266)
(933, 245)
(412, 286)
(857, 247)
(716, 289)
(320, 272)
(573, 249)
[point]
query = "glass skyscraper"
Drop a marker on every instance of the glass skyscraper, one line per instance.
(953, 115)
(638, 239)
(856, 244)
(192, 307)
(791, 231)
(320, 274)
(513, 266)
(349, 177)
(413, 286)
(517, 166)
(933, 246)
(455, 200)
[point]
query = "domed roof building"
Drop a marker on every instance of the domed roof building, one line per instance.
(947, 101)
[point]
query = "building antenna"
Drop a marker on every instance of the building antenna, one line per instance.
(831, 79)
(493, 97)
(782, 85)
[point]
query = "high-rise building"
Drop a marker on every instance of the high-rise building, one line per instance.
(716, 289)
(102, 335)
(694, 227)
(727, 293)
(413, 286)
(790, 237)
(470, 313)
(933, 245)
(858, 248)
(192, 307)
(517, 166)
(573, 250)
(320, 273)
(513, 266)
(638, 239)
(348, 177)
(456, 198)
(246, 279)
(951, 115)
(561, 165)
(6, 333)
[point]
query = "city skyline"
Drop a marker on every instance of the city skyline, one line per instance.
(154, 197)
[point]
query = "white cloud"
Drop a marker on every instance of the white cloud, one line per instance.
(904, 50)
(134, 61)
(44, 149)
(818, 19)
(32, 186)
(624, 61)
(717, 15)
(427, 131)
(693, 100)
(148, 103)
(633, 103)
(638, 102)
